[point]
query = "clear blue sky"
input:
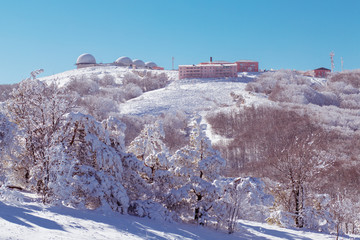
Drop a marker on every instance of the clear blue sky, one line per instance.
(280, 34)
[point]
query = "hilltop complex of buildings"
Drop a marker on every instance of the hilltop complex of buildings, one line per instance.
(217, 69)
(88, 60)
(211, 69)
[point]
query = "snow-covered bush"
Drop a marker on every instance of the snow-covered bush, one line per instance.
(346, 87)
(131, 90)
(289, 86)
(98, 107)
(152, 210)
(146, 80)
(240, 198)
(82, 85)
(5, 91)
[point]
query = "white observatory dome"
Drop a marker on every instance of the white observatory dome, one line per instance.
(86, 58)
(125, 61)
(138, 63)
(150, 64)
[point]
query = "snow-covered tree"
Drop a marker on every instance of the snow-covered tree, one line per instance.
(8, 148)
(149, 148)
(195, 167)
(38, 109)
(87, 165)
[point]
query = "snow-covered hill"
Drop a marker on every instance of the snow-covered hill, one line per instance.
(188, 95)
(100, 71)
(26, 218)
(202, 96)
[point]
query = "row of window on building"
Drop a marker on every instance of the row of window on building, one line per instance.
(217, 69)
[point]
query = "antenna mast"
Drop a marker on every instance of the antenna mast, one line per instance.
(342, 64)
(332, 61)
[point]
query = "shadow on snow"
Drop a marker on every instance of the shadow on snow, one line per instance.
(24, 217)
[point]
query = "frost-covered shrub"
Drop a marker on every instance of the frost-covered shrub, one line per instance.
(241, 198)
(315, 214)
(175, 129)
(347, 88)
(107, 81)
(98, 107)
(11, 196)
(152, 210)
(146, 80)
(289, 86)
(131, 90)
(349, 77)
(5, 91)
(82, 85)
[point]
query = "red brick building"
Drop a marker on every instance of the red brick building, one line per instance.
(247, 66)
(322, 72)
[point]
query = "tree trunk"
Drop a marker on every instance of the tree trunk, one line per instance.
(298, 208)
(198, 214)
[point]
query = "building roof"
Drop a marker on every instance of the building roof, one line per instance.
(245, 61)
(86, 58)
(206, 65)
(322, 68)
(150, 64)
(124, 61)
(139, 63)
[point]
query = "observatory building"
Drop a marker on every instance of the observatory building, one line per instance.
(123, 61)
(88, 60)
(150, 65)
(137, 63)
(85, 60)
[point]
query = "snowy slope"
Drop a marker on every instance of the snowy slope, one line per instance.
(190, 95)
(29, 219)
(99, 71)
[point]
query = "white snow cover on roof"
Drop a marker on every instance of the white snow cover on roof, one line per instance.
(124, 61)
(139, 63)
(86, 58)
(150, 64)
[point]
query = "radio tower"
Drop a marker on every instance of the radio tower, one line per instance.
(332, 61)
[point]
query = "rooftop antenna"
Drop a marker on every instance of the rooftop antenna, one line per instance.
(332, 54)
(342, 64)
(172, 62)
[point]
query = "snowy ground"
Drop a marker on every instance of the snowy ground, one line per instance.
(190, 95)
(29, 219)
(99, 71)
